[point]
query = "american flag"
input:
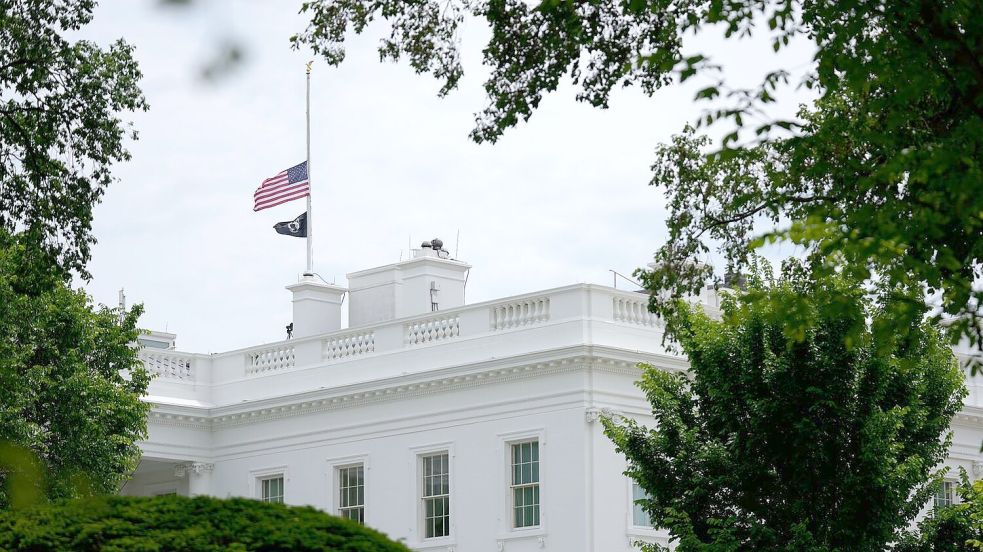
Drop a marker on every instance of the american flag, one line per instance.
(284, 186)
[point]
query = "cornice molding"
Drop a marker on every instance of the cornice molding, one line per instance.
(175, 419)
(398, 392)
(604, 360)
(491, 372)
(969, 417)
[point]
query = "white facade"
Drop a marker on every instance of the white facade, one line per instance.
(502, 396)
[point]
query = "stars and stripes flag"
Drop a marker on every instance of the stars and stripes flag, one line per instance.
(282, 187)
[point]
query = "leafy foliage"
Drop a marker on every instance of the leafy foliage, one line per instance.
(795, 430)
(951, 528)
(60, 129)
(70, 380)
(173, 523)
(880, 178)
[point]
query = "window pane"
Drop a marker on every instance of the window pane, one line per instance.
(271, 489)
(639, 517)
(351, 492)
(435, 489)
(944, 494)
(525, 488)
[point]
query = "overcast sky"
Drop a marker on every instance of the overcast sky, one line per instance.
(559, 200)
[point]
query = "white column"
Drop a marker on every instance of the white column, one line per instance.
(199, 476)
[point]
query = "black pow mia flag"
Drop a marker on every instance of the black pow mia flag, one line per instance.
(296, 227)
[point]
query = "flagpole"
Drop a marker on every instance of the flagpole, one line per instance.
(310, 220)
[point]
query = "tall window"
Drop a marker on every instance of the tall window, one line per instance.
(436, 495)
(525, 484)
(639, 517)
(945, 494)
(271, 489)
(351, 492)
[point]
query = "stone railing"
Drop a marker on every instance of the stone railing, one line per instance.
(432, 329)
(270, 359)
(553, 318)
(634, 310)
(348, 345)
(169, 365)
(520, 313)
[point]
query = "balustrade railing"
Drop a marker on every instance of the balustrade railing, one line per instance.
(169, 365)
(270, 359)
(520, 313)
(348, 345)
(439, 327)
(432, 329)
(634, 311)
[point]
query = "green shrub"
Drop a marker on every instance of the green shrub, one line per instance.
(174, 523)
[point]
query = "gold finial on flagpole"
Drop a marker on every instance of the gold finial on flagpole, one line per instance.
(309, 63)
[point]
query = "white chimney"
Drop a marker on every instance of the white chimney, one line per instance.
(428, 282)
(317, 307)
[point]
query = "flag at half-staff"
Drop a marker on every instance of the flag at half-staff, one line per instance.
(296, 227)
(282, 187)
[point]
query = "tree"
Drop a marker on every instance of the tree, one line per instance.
(60, 125)
(794, 430)
(174, 523)
(70, 380)
(880, 178)
(950, 528)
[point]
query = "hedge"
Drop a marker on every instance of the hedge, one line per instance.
(175, 523)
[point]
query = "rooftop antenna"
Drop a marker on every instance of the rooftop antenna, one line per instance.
(457, 244)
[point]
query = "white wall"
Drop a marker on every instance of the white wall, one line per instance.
(521, 367)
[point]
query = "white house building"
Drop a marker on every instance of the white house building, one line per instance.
(453, 427)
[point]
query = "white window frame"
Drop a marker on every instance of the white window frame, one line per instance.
(952, 497)
(420, 533)
(640, 533)
(507, 529)
(272, 498)
(631, 502)
(334, 467)
(256, 478)
(533, 483)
